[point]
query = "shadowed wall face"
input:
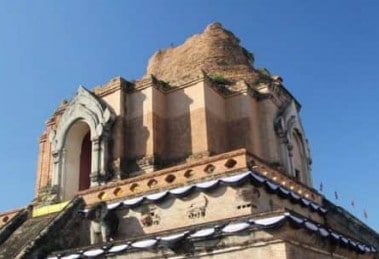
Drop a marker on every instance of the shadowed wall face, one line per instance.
(85, 163)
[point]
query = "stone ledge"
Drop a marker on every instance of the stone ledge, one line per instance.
(207, 168)
(175, 176)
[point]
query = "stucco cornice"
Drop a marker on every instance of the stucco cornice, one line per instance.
(87, 107)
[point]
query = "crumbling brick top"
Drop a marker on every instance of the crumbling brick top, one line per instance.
(216, 51)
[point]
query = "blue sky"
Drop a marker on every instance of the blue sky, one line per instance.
(327, 54)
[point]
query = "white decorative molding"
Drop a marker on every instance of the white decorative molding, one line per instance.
(86, 108)
(286, 123)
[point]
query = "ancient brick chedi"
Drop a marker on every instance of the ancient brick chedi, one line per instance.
(196, 100)
(204, 156)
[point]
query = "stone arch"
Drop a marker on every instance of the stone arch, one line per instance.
(294, 146)
(85, 114)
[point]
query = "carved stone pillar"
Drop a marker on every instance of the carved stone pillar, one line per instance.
(57, 166)
(290, 155)
(104, 156)
(59, 169)
(95, 163)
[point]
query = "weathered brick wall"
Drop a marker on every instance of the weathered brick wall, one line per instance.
(201, 207)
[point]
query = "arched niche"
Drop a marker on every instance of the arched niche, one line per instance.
(294, 147)
(298, 156)
(80, 144)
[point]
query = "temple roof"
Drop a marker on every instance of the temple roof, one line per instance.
(215, 51)
(26, 236)
(26, 233)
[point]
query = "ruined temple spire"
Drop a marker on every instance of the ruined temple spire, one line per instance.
(215, 51)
